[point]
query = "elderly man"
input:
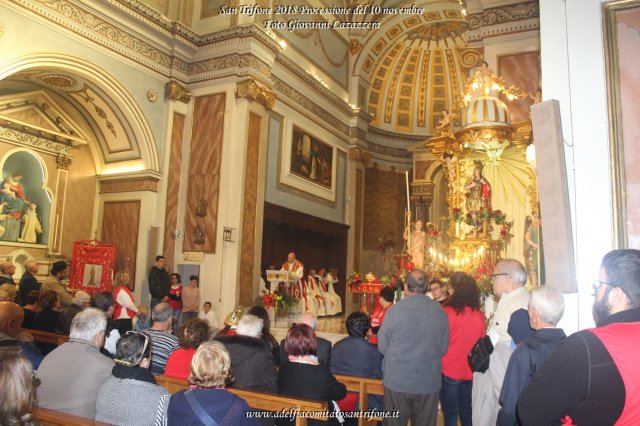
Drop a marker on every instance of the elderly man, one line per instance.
(413, 338)
(7, 269)
(324, 346)
(11, 316)
(81, 301)
(509, 326)
(162, 341)
(295, 268)
(159, 282)
(545, 310)
(592, 378)
(59, 272)
(71, 375)
(251, 360)
(28, 282)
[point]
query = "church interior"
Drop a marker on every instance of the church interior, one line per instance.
(224, 139)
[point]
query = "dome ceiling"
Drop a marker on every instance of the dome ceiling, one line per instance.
(416, 66)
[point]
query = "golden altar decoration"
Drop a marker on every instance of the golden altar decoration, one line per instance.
(491, 188)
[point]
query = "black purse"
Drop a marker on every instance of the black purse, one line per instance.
(479, 355)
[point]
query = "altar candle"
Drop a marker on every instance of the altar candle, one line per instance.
(406, 175)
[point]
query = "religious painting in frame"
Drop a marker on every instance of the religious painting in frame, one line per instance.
(622, 44)
(308, 163)
(92, 266)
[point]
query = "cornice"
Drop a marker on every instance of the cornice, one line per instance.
(388, 151)
(402, 137)
(504, 14)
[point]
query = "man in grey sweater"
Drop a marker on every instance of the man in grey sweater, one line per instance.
(413, 338)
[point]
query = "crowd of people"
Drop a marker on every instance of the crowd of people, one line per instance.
(418, 346)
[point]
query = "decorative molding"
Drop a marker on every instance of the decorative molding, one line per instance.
(63, 162)
(358, 154)
(128, 184)
(242, 63)
(152, 95)
(505, 14)
(422, 190)
(251, 90)
(388, 151)
(401, 137)
(41, 142)
(309, 105)
(177, 92)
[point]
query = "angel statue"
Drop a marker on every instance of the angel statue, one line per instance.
(417, 242)
(444, 125)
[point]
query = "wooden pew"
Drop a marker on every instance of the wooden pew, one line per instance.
(364, 387)
(46, 337)
(258, 400)
(48, 417)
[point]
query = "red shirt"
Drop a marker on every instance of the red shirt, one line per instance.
(465, 329)
(376, 321)
(178, 363)
(175, 297)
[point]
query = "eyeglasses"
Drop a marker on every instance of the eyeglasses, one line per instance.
(492, 276)
(144, 348)
(597, 284)
(434, 288)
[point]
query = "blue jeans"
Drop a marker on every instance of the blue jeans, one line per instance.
(455, 398)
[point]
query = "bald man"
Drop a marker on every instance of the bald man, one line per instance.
(11, 316)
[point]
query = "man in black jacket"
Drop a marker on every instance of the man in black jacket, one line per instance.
(159, 282)
(28, 282)
(591, 379)
(546, 307)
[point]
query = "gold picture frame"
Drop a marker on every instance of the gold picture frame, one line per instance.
(611, 14)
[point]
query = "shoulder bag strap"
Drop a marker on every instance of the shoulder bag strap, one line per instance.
(204, 417)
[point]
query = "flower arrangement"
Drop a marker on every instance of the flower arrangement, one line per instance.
(276, 300)
(354, 278)
(498, 217)
(432, 234)
(457, 215)
(505, 232)
(482, 275)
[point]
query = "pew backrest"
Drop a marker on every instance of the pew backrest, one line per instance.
(46, 337)
(48, 417)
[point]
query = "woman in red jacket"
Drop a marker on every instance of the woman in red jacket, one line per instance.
(466, 326)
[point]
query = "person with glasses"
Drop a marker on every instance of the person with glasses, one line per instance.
(509, 325)
(593, 377)
(131, 396)
(436, 288)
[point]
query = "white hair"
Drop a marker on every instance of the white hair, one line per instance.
(29, 263)
(549, 303)
(515, 269)
(80, 298)
(309, 319)
(86, 325)
(250, 325)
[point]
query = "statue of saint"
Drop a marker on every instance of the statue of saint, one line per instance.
(417, 243)
(533, 250)
(478, 190)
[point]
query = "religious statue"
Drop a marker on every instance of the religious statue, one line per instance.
(417, 242)
(449, 166)
(444, 125)
(533, 250)
(31, 227)
(478, 190)
(12, 196)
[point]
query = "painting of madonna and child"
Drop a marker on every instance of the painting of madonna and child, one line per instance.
(25, 204)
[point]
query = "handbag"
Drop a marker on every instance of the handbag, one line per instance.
(479, 355)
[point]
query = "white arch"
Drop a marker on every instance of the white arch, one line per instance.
(143, 137)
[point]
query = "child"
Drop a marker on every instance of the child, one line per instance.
(143, 322)
(175, 300)
(208, 315)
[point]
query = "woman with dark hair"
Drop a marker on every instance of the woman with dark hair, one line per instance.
(47, 318)
(207, 401)
(190, 336)
(303, 376)
(354, 356)
(175, 299)
(17, 388)
(385, 300)
(267, 337)
(466, 326)
(131, 396)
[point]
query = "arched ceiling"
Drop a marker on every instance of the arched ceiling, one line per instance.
(416, 66)
(74, 106)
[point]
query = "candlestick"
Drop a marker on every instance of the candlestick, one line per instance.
(406, 175)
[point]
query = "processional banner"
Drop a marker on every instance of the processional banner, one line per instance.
(92, 266)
